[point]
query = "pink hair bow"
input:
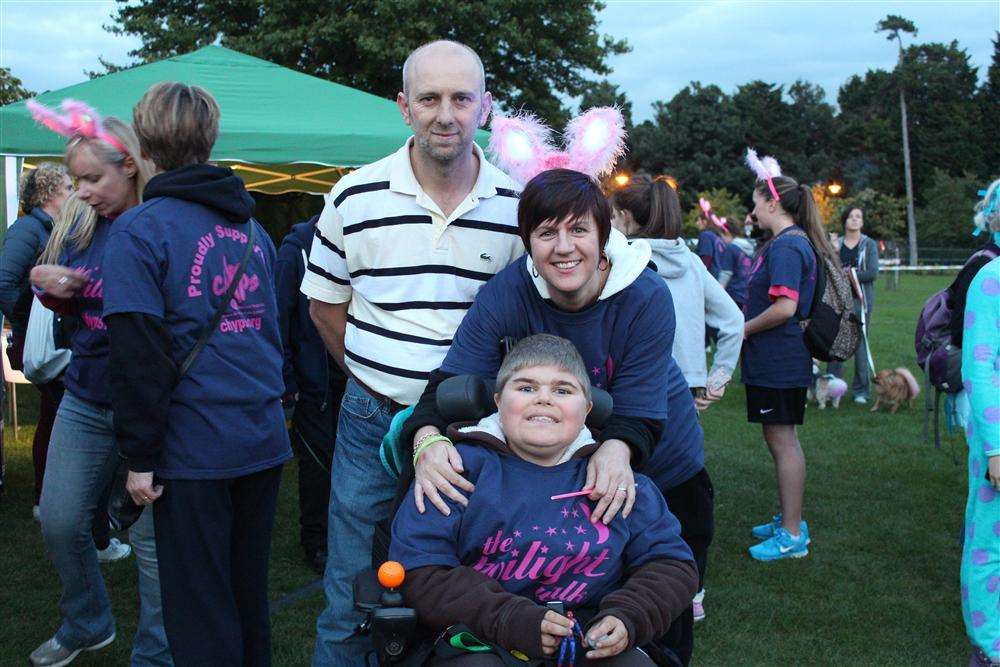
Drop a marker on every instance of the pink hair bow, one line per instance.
(520, 144)
(765, 170)
(77, 120)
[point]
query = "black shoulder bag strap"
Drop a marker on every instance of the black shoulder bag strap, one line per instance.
(223, 306)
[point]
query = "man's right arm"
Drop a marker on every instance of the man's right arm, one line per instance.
(331, 322)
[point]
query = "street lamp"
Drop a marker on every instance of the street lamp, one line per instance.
(622, 179)
(834, 188)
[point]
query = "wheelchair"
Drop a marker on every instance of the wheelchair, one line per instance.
(393, 627)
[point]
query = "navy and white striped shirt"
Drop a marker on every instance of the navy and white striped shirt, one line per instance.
(409, 271)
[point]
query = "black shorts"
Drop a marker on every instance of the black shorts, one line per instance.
(767, 405)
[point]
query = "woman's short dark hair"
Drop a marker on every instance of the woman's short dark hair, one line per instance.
(846, 213)
(558, 194)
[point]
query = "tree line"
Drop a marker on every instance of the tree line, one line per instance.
(544, 55)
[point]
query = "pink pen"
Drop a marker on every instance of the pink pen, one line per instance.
(584, 492)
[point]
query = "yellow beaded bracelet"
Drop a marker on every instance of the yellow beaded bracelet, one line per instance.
(427, 442)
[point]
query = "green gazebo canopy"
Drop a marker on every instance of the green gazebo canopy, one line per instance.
(281, 130)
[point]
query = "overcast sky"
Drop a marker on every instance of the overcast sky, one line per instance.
(49, 43)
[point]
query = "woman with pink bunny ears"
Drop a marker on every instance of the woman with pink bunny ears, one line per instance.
(710, 242)
(103, 155)
(777, 366)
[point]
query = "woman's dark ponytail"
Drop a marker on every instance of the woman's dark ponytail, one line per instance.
(664, 211)
(809, 219)
(796, 199)
(654, 206)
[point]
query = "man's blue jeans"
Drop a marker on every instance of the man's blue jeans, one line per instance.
(81, 462)
(361, 495)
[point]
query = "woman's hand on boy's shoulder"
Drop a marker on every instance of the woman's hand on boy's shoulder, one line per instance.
(437, 472)
(609, 473)
(607, 637)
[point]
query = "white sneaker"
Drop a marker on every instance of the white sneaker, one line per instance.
(36, 513)
(698, 604)
(53, 654)
(860, 400)
(115, 551)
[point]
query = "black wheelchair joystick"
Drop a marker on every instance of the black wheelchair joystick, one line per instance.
(391, 576)
(392, 625)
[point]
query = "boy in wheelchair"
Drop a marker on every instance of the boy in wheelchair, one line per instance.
(497, 564)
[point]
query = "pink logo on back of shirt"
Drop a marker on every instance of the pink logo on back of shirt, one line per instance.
(248, 283)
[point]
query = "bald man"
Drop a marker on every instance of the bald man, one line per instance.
(400, 251)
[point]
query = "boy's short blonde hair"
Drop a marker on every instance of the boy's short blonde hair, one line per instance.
(544, 350)
(177, 124)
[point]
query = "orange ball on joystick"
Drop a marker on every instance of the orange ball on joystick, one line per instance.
(391, 574)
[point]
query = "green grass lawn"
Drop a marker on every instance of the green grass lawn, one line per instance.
(880, 586)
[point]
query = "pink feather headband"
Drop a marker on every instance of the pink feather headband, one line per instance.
(520, 144)
(77, 120)
(765, 170)
(706, 208)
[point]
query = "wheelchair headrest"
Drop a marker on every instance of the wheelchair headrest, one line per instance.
(465, 398)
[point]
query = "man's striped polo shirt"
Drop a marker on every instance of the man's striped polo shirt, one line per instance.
(409, 271)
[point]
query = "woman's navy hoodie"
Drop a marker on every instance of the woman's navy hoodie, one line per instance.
(307, 366)
(173, 257)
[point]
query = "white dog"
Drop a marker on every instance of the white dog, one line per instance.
(827, 388)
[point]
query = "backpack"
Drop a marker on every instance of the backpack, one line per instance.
(831, 331)
(940, 360)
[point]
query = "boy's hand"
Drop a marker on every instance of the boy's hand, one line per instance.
(608, 637)
(554, 627)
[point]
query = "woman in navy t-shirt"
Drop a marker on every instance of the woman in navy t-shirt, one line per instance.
(585, 282)
(777, 367)
(710, 246)
(83, 454)
(215, 437)
(736, 261)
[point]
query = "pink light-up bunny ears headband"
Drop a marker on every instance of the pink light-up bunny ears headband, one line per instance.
(520, 144)
(765, 170)
(77, 120)
(706, 208)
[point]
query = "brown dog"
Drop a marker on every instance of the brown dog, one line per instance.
(894, 387)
